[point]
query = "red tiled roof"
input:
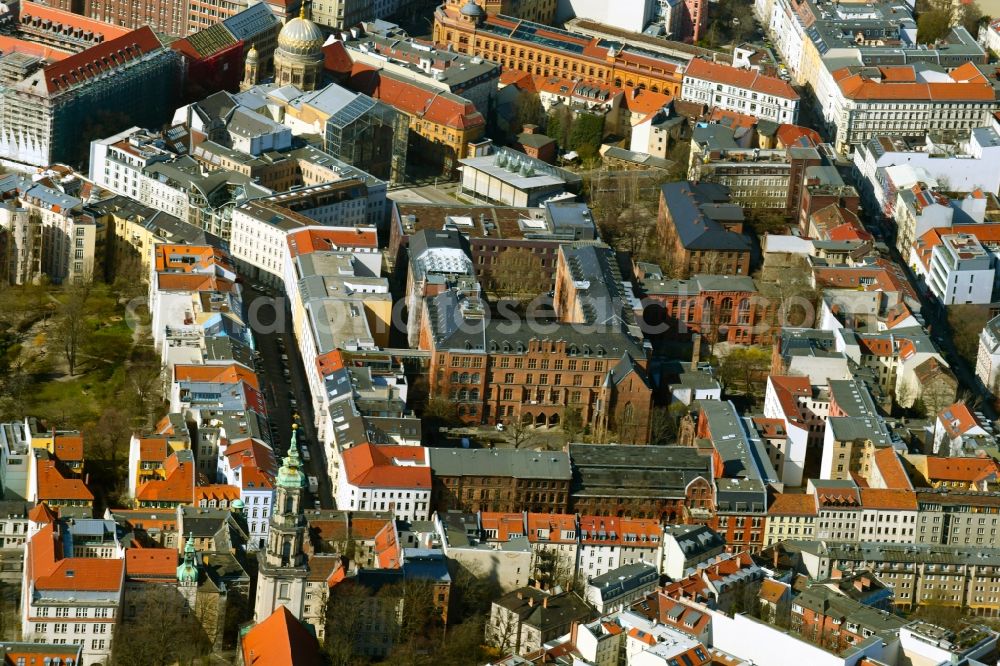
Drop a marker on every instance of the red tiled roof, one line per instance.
(373, 467)
(788, 389)
(330, 362)
(415, 100)
(773, 590)
(217, 492)
(387, 548)
(151, 562)
(957, 420)
(86, 574)
(177, 258)
(891, 469)
(966, 470)
(256, 462)
(280, 639)
(41, 513)
(336, 58)
(309, 240)
(507, 525)
(741, 78)
(216, 374)
(555, 523)
(68, 448)
(153, 449)
(877, 498)
(792, 504)
(65, 19)
(99, 59)
(53, 486)
(968, 84)
(14, 45)
(178, 486)
(789, 135)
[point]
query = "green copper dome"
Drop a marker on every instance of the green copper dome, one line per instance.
(187, 572)
(290, 475)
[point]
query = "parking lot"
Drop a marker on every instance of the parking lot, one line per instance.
(282, 378)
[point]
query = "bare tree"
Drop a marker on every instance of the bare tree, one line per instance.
(517, 276)
(150, 637)
(521, 433)
(70, 324)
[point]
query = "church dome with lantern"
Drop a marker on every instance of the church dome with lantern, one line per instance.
(298, 60)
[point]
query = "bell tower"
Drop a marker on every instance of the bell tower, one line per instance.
(283, 565)
(251, 69)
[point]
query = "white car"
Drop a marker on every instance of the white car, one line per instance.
(500, 427)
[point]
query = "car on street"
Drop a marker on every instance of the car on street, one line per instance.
(305, 453)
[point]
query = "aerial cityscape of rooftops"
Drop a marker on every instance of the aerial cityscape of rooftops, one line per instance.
(500, 332)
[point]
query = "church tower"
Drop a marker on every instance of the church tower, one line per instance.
(283, 568)
(251, 69)
(188, 574)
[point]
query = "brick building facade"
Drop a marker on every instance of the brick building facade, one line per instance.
(546, 51)
(499, 480)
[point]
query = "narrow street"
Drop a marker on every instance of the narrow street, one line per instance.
(280, 391)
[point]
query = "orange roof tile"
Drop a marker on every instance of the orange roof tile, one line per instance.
(773, 591)
(506, 525)
(101, 58)
(216, 374)
(10, 44)
(54, 487)
(968, 84)
(45, 567)
(741, 78)
(217, 492)
(891, 469)
(957, 420)
(151, 562)
(967, 470)
(388, 551)
(645, 102)
(65, 19)
(555, 523)
(423, 102)
(41, 513)
(153, 449)
(877, 498)
(309, 240)
(789, 135)
(788, 389)
(188, 258)
(68, 448)
(374, 467)
(177, 487)
(329, 362)
(792, 504)
(280, 639)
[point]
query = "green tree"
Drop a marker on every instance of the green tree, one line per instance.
(558, 125)
(528, 111)
(933, 24)
(572, 423)
(586, 134)
(744, 369)
(69, 329)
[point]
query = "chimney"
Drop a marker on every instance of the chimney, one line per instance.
(695, 349)
(531, 602)
(774, 558)
(859, 584)
(545, 601)
(529, 128)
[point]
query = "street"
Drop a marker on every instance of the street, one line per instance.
(279, 391)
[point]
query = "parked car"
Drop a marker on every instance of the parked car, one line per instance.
(305, 453)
